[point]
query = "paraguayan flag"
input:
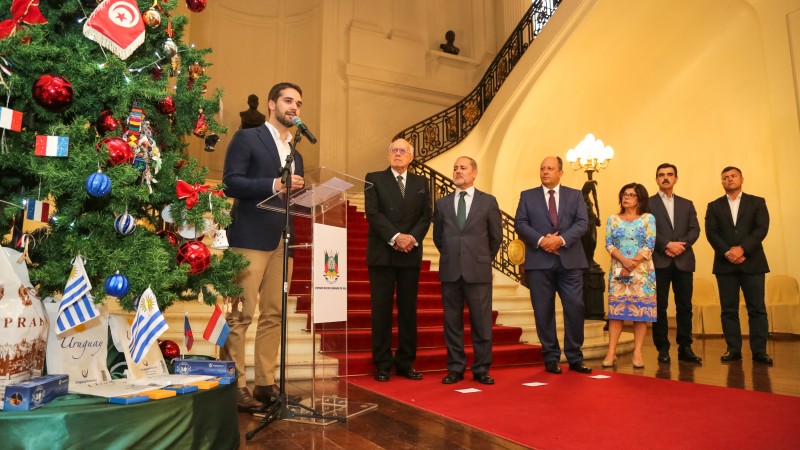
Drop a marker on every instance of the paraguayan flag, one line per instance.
(77, 305)
(147, 326)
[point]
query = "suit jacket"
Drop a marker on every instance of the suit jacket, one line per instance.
(389, 213)
(469, 252)
(686, 229)
(252, 164)
(533, 222)
(752, 225)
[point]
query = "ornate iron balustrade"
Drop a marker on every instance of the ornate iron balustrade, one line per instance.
(437, 134)
(440, 186)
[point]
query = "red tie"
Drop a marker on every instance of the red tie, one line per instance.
(551, 205)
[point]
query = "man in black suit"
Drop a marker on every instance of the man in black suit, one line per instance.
(467, 230)
(736, 225)
(252, 173)
(551, 219)
(398, 209)
(677, 229)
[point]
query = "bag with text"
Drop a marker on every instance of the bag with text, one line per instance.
(80, 352)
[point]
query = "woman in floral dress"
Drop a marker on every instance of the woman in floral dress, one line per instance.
(630, 238)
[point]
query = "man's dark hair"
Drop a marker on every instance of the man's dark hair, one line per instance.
(276, 90)
(252, 101)
(729, 168)
(641, 197)
(667, 166)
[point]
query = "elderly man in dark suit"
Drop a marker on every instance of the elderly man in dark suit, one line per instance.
(677, 230)
(736, 225)
(252, 173)
(398, 209)
(468, 232)
(551, 219)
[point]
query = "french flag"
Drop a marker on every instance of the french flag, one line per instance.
(217, 329)
(38, 211)
(10, 119)
(52, 146)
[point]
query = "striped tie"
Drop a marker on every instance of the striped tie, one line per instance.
(401, 186)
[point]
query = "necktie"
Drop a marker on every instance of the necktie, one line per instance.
(400, 184)
(551, 205)
(461, 212)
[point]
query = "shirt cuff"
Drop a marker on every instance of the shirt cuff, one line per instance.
(391, 241)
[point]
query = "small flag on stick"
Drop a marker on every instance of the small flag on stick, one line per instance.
(77, 304)
(188, 337)
(147, 326)
(217, 329)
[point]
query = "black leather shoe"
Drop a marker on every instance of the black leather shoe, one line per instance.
(246, 402)
(552, 367)
(686, 354)
(382, 375)
(268, 394)
(409, 373)
(452, 377)
(663, 356)
(483, 378)
(580, 367)
(731, 356)
(763, 358)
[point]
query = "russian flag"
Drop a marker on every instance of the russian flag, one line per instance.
(38, 211)
(217, 329)
(52, 146)
(10, 119)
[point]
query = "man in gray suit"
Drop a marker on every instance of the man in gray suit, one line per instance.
(551, 219)
(467, 230)
(677, 230)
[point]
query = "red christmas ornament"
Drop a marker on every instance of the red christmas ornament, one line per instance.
(167, 106)
(196, 5)
(196, 254)
(106, 122)
(157, 73)
(171, 236)
(118, 150)
(201, 125)
(53, 93)
(169, 349)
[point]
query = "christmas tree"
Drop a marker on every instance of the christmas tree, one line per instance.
(99, 101)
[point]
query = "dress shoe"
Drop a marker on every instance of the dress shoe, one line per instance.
(686, 354)
(452, 377)
(580, 367)
(268, 394)
(382, 375)
(409, 373)
(637, 363)
(483, 378)
(763, 358)
(663, 356)
(609, 362)
(552, 367)
(246, 402)
(731, 356)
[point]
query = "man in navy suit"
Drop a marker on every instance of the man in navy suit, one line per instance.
(551, 219)
(398, 209)
(253, 165)
(468, 231)
(677, 230)
(736, 225)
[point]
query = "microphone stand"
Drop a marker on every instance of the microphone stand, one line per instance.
(279, 410)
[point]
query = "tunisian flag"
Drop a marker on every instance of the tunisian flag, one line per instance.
(116, 25)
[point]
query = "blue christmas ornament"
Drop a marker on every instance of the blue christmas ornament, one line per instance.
(98, 184)
(117, 285)
(125, 224)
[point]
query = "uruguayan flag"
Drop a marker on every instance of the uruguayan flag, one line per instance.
(147, 326)
(77, 305)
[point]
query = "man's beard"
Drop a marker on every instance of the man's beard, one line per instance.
(285, 120)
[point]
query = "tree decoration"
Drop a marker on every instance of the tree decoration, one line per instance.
(117, 26)
(106, 122)
(98, 184)
(201, 125)
(191, 193)
(119, 151)
(195, 71)
(22, 12)
(196, 5)
(117, 285)
(211, 141)
(53, 93)
(125, 224)
(167, 105)
(151, 17)
(196, 254)
(170, 236)
(169, 349)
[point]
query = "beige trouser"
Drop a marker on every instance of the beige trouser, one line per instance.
(262, 283)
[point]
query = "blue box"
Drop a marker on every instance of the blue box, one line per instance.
(181, 388)
(35, 392)
(225, 370)
(129, 399)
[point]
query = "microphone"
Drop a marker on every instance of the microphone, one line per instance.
(303, 129)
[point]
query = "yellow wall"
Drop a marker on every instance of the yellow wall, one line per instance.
(701, 84)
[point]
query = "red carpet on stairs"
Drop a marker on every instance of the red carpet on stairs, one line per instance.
(356, 343)
(574, 411)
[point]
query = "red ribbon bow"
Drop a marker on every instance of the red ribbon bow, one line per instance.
(191, 193)
(22, 11)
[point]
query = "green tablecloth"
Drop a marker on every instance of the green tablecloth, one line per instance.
(200, 420)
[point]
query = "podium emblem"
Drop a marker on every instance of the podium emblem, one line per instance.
(331, 271)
